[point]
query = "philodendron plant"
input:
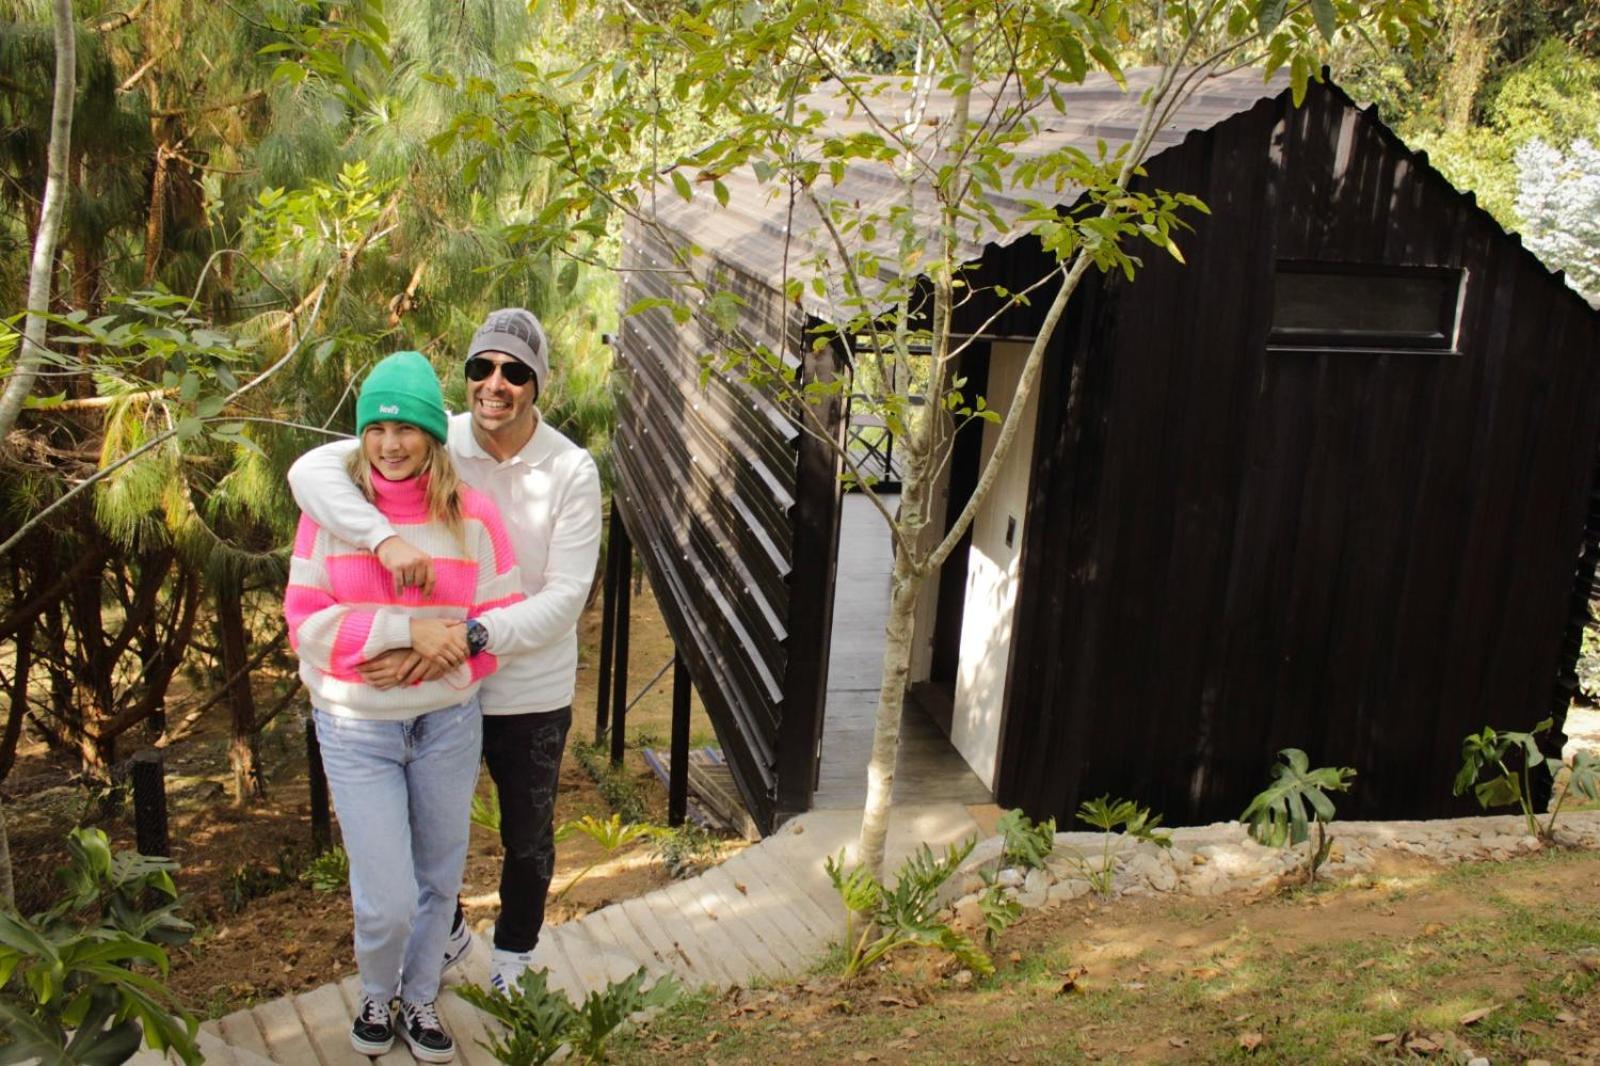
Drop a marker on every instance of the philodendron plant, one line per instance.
(1489, 750)
(1283, 813)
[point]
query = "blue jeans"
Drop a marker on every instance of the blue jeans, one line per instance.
(403, 791)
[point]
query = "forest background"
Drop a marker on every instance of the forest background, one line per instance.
(282, 193)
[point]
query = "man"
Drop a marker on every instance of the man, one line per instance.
(548, 491)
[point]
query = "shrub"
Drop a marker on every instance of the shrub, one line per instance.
(1490, 749)
(1026, 845)
(1106, 814)
(540, 1020)
(687, 849)
(328, 872)
(611, 834)
(1278, 817)
(74, 966)
(880, 920)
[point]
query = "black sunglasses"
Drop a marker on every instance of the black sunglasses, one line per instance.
(515, 373)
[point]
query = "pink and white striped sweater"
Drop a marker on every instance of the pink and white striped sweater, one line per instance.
(342, 609)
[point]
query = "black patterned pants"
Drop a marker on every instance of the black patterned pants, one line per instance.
(524, 756)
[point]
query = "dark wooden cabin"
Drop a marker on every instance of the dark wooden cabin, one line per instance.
(1329, 485)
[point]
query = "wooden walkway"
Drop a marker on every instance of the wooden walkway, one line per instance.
(768, 912)
(929, 770)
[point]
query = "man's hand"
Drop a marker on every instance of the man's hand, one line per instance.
(441, 644)
(402, 666)
(411, 568)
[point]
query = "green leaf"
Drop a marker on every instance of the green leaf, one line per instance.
(1327, 19)
(649, 303)
(681, 184)
(189, 428)
(1269, 15)
(1504, 791)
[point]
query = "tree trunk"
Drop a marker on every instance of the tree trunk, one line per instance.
(244, 749)
(8, 887)
(1471, 31)
(905, 587)
(19, 700)
(155, 235)
(44, 248)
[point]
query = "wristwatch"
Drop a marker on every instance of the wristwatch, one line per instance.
(477, 636)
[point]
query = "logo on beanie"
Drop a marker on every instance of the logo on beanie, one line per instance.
(388, 408)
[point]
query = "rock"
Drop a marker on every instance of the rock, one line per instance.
(1036, 882)
(1068, 888)
(969, 913)
(1011, 877)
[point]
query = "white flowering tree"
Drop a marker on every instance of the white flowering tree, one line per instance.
(1558, 197)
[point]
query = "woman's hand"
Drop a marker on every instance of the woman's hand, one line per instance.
(402, 666)
(410, 567)
(441, 644)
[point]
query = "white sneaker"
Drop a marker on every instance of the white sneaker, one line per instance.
(506, 969)
(457, 947)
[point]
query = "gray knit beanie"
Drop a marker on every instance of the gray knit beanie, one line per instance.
(517, 333)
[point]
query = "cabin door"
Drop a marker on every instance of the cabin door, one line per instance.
(952, 586)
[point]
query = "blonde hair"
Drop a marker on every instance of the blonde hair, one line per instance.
(443, 494)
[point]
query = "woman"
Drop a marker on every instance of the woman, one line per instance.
(401, 761)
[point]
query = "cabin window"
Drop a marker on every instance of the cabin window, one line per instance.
(1365, 306)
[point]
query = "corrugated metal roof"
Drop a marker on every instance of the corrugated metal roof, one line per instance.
(752, 231)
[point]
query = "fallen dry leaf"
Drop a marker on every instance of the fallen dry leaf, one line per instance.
(1433, 928)
(1069, 979)
(1386, 1038)
(1251, 1041)
(1472, 1017)
(1178, 1041)
(1016, 956)
(1566, 1017)
(743, 891)
(1422, 1045)
(909, 1033)
(1206, 973)
(894, 1001)
(864, 1056)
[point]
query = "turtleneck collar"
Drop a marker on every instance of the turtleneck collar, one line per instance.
(401, 499)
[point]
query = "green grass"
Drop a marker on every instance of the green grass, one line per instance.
(1522, 946)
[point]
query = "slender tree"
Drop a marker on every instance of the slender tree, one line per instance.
(41, 273)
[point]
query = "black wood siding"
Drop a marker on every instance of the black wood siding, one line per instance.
(734, 513)
(1231, 550)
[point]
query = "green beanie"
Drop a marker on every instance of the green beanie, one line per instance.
(403, 388)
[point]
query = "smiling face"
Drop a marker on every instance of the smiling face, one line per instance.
(396, 450)
(502, 413)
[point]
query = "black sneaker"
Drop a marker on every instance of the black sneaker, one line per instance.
(373, 1032)
(458, 946)
(421, 1028)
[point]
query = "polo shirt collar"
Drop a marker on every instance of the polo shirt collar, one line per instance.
(540, 446)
